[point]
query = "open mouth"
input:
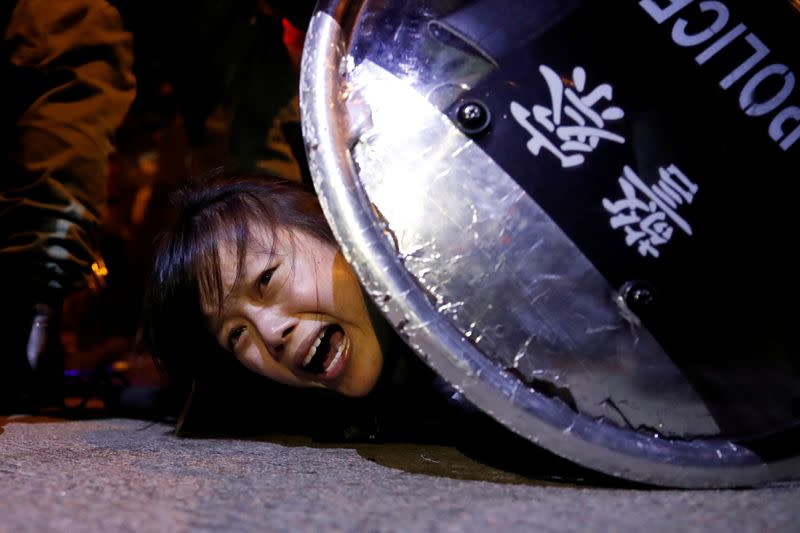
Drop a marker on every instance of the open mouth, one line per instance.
(326, 350)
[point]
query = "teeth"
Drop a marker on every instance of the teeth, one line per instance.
(338, 356)
(313, 349)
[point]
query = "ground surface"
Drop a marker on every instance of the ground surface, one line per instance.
(132, 475)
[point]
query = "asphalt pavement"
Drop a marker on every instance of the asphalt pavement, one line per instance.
(134, 475)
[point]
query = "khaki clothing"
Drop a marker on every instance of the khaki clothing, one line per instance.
(67, 72)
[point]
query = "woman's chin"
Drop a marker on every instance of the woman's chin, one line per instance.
(361, 383)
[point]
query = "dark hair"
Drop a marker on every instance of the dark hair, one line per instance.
(186, 268)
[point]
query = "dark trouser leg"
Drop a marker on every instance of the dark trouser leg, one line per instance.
(47, 249)
(71, 62)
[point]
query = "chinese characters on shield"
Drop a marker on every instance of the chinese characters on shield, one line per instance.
(649, 214)
(574, 124)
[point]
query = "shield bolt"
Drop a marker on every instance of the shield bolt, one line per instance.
(638, 295)
(473, 117)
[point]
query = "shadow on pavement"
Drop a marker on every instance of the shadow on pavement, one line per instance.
(497, 456)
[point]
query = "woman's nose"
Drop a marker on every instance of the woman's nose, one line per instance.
(277, 334)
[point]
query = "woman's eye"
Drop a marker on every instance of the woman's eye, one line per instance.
(266, 276)
(234, 336)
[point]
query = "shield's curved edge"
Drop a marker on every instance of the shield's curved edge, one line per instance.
(616, 451)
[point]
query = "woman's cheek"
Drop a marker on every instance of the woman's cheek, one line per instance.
(252, 360)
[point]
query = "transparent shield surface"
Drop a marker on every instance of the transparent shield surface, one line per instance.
(490, 168)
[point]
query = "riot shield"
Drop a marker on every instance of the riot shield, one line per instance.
(579, 214)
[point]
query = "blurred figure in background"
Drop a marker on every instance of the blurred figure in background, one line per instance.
(216, 86)
(236, 74)
(67, 71)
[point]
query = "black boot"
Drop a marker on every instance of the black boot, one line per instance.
(31, 357)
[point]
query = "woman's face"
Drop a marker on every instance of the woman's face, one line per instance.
(297, 315)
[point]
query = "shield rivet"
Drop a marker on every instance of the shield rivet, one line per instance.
(473, 117)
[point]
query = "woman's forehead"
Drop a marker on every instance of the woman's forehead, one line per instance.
(259, 241)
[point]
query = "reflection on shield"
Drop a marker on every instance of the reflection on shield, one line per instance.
(591, 246)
